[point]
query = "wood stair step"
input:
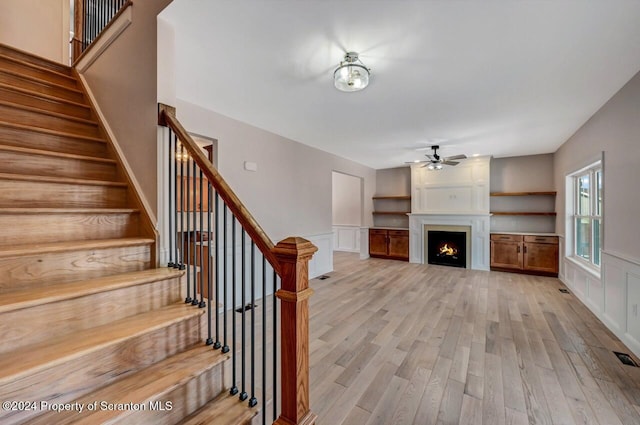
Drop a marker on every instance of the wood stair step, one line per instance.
(50, 132)
(37, 85)
(44, 101)
(18, 190)
(19, 160)
(35, 70)
(30, 316)
(42, 119)
(65, 368)
(62, 225)
(223, 410)
(162, 383)
(37, 60)
(40, 265)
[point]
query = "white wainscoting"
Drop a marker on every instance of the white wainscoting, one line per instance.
(322, 261)
(614, 298)
(364, 243)
(346, 238)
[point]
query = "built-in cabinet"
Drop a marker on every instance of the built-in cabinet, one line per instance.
(391, 211)
(389, 243)
(535, 254)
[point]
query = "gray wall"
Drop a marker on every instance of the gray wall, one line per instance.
(614, 130)
(393, 181)
(291, 193)
(124, 82)
(532, 173)
(346, 200)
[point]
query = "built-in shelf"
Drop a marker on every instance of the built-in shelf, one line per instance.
(407, 197)
(391, 212)
(523, 193)
(521, 213)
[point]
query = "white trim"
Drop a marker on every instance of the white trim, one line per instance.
(105, 39)
(594, 271)
(346, 238)
(622, 257)
(364, 243)
(322, 260)
(123, 159)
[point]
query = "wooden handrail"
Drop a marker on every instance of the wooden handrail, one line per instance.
(166, 117)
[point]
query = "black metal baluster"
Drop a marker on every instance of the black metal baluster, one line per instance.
(202, 245)
(275, 346)
(243, 394)
(234, 387)
(176, 263)
(225, 347)
(217, 290)
(83, 40)
(181, 265)
(171, 262)
(188, 232)
(253, 401)
(210, 269)
(193, 236)
(264, 340)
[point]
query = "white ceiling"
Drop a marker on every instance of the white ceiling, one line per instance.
(500, 78)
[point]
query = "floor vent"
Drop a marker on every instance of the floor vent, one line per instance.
(626, 359)
(247, 307)
(323, 277)
(564, 291)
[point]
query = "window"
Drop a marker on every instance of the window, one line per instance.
(587, 217)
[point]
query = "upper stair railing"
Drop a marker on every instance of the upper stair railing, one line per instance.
(231, 263)
(91, 17)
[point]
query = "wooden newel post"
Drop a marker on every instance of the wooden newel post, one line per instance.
(293, 255)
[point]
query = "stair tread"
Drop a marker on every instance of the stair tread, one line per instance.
(23, 211)
(44, 95)
(65, 180)
(38, 67)
(223, 410)
(25, 298)
(46, 112)
(51, 132)
(149, 384)
(39, 80)
(40, 356)
(47, 248)
(56, 154)
(59, 65)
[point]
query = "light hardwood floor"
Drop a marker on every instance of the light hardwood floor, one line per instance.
(399, 343)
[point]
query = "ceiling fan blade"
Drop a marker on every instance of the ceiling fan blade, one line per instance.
(416, 162)
(431, 157)
(422, 166)
(454, 157)
(450, 162)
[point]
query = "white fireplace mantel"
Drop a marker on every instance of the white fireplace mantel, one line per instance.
(480, 238)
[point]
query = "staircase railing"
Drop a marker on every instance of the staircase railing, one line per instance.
(234, 269)
(91, 17)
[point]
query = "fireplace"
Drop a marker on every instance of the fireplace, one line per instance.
(447, 248)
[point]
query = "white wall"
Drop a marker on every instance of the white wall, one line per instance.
(290, 194)
(614, 133)
(40, 27)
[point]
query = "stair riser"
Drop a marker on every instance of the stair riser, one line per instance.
(185, 399)
(35, 119)
(41, 74)
(31, 325)
(20, 194)
(48, 269)
(44, 103)
(25, 57)
(46, 228)
(43, 165)
(41, 87)
(78, 376)
(35, 140)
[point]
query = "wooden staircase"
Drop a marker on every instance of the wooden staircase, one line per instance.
(85, 315)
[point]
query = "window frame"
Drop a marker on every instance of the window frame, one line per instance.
(594, 214)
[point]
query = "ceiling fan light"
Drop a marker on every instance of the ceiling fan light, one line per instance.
(351, 76)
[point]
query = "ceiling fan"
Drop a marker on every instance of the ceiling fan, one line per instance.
(435, 161)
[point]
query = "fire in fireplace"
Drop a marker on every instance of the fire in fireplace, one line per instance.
(447, 248)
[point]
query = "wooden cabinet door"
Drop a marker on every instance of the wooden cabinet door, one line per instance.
(399, 244)
(541, 257)
(378, 242)
(506, 254)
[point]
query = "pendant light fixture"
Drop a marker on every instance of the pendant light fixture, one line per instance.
(351, 74)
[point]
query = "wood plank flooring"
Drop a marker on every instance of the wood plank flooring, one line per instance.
(399, 343)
